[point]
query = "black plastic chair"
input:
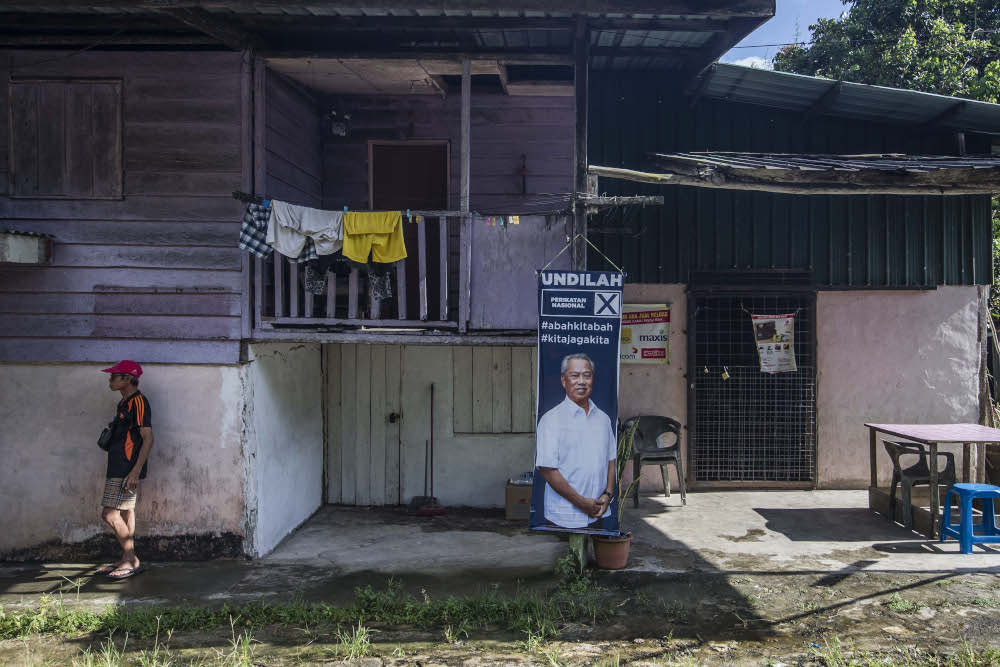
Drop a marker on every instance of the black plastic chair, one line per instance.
(648, 449)
(918, 473)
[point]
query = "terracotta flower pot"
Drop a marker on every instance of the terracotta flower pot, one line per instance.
(612, 552)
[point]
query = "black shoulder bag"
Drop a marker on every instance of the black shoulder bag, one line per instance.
(104, 440)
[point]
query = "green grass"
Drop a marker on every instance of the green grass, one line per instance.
(986, 602)
(576, 601)
(355, 642)
(833, 654)
(901, 606)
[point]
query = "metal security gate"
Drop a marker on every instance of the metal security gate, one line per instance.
(745, 426)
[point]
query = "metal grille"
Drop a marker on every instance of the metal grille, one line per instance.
(753, 426)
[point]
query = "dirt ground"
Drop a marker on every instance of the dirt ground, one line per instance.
(686, 619)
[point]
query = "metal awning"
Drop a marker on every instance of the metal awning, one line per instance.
(894, 174)
(816, 96)
(679, 35)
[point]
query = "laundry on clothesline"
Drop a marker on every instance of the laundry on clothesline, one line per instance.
(290, 226)
(305, 235)
(378, 233)
(253, 230)
(253, 233)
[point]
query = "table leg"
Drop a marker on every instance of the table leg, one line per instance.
(981, 449)
(966, 461)
(871, 463)
(934, 488)
(871, 456)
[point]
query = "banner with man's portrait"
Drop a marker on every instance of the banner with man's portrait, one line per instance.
(579, 324)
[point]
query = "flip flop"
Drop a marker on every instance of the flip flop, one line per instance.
(125, 572)
(105, 569)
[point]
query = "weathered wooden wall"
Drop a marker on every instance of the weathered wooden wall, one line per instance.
(294, 162)
(504, 263)
(503, 129)
(155, 275)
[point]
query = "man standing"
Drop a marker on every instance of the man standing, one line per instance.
(131, 442)
(576, 450)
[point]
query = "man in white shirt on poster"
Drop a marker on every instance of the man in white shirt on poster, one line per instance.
(575, 452)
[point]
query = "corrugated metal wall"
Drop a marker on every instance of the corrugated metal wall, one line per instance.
(857, 241)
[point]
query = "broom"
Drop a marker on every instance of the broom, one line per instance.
(427, 505)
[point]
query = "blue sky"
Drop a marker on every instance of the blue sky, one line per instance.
(781, 29)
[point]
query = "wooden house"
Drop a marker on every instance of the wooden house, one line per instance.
(129, 125)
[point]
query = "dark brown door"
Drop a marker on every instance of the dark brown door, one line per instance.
(413, 176)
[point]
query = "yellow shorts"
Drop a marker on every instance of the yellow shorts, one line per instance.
(378, 233)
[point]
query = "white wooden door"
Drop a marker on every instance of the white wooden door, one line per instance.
(363, 422)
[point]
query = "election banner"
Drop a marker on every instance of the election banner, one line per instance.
(645, 333)
(775, 339)
(579, 322)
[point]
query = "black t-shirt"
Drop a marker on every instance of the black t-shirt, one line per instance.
(132, 413)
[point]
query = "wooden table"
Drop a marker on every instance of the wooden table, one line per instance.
(933, 435)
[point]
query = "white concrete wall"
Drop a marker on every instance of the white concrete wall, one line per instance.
(648, 389)
(53, 472)
(891, 357)
(284, 440)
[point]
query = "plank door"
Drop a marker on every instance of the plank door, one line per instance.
(363, 401)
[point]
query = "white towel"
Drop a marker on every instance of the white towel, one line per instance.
(290, 225)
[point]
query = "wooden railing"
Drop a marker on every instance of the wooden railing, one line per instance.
(424, 296)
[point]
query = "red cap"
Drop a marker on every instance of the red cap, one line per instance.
(125, 366)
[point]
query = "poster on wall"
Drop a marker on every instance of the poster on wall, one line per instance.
(645, 333)
(775, 339)
(579, 322)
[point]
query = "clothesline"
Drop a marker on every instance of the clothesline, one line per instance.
(410, 214)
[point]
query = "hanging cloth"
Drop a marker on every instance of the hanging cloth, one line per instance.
(379, 233)
(290, 226)
(253, 230)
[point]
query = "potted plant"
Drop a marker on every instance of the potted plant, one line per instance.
(610, 552)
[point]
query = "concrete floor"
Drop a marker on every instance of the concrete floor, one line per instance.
(756, 532)
(760, 531)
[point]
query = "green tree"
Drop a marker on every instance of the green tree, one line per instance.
(948, 47)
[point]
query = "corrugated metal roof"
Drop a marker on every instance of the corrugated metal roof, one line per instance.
(310, 8)
(797, 92)
(830, 163)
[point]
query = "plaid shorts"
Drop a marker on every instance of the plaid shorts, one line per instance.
(116, 496)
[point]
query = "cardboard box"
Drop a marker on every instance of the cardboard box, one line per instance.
(518, 506)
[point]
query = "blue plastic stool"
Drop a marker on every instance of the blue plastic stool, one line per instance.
(964, 533)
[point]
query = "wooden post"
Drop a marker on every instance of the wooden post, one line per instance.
(582, 76)
(443, 254)
(374, 305)
(259, 170)
(401, 289)
(246, 179)
(422, 267)
(293, 289)
(465, 261)
(331, 295)
(352, 294)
